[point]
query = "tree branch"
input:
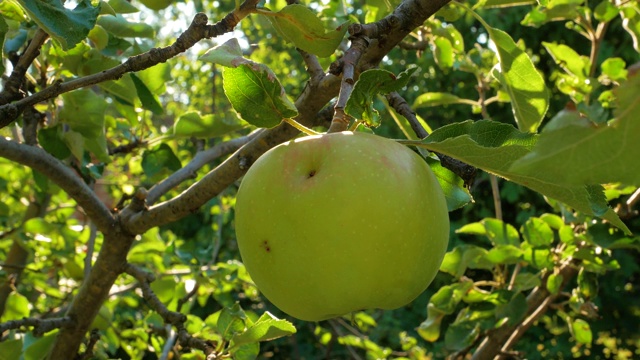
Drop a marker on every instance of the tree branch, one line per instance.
(170, 317)
(40, 326)
(11, 90)
(199, 160)
(538, 302)
(198, 30)
(465, 171)
(56, 171)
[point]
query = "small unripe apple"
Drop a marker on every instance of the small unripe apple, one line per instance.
(341, 222)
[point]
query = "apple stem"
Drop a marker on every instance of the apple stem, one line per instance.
(301, 127)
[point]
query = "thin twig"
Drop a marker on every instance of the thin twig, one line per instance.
(199, 160)
(40, 326)
(11, 90)
(170, 317)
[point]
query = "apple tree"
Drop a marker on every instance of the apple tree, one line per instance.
(127, 127)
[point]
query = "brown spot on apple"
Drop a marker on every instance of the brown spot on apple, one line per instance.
(265, 245)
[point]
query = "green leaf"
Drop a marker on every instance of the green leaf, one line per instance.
(228, 54)
(10, 9)
(371, 83)
(148, 99)
(443, 302)
(120, 27)
(443, 54)
(123, 7)
(614, 69)
(526, 281)
(38, 349)
(10, 349)
(257, 95)
(246, 352)
(455, 192)
(49, 138)
(554, 283)
(160, 161)
(553, 10)
(605, 11)
(67, 27)
(520, 79)
(514, 311)
(498, 232)
(99, 37)
(461, 335)
(156, 4)
(572, 62)
(587, 284)
(83, 111)
(503, 3)
(449, 32)
(194, 124)
(496, 147)
(300, 26)
(504, 254)
(537, 232)
(580, 153)
(267, 328)
(462, 257)
(439, 98)
(17, 307)
(231, 321)
(582, 331)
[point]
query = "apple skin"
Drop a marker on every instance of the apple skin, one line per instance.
(341, 222)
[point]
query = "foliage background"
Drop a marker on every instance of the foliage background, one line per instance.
(136, 132)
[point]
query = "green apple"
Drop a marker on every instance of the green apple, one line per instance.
(341, 222)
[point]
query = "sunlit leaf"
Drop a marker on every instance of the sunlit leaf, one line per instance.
(496, 147)
(298, 24)
(256, 94)
(537, 232)
(520, 79)
(226, 54)
(68, 27)
(580, 153)
(16, 307)
(194, 124)
(121, 27)
(84, 111)
(569, 59)
(582, 331)
(268, 327)
(369, 85)
(439, 98)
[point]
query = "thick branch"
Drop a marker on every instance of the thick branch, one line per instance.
(56, 171)
(94, 291)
